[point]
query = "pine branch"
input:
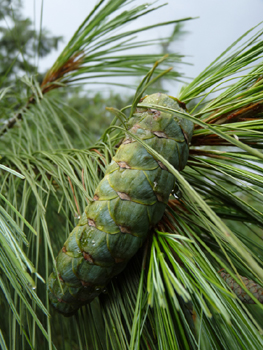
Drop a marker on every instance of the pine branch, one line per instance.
(91, 53)
(215, 220)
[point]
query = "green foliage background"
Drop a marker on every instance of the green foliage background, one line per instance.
(171, 296)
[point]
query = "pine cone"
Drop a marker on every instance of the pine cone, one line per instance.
(253, 287)
(129, 200)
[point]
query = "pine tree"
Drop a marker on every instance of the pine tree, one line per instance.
(187, 285)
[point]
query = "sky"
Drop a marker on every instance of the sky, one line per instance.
(219, 24)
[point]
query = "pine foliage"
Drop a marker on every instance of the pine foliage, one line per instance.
(172, 294)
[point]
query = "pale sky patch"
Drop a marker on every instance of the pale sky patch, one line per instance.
(220, 24)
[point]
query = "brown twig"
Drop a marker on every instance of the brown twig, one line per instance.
(73, 63)
(49, 83)
(208, 140)
(95, 150)
(19, 116)
(242, 114)
(199, 152)
(247, 113)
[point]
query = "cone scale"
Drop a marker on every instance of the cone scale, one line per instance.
(128, 201)
(253, 287)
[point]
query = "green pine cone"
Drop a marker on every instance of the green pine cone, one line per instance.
(253, 287)
(129, 200)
